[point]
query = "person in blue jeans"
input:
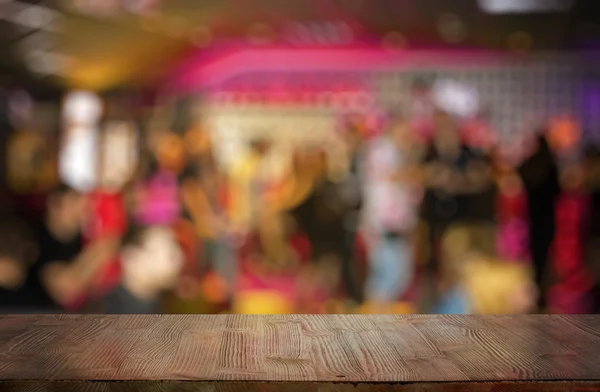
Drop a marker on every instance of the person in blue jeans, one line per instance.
(390, 268)
(389, 212)
(454, 301)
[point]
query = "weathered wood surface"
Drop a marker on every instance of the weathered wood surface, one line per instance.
(325, 353)
(254, 386)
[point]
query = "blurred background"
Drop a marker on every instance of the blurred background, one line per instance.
(301, 156)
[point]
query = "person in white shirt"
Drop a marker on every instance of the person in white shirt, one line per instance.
(390, 215)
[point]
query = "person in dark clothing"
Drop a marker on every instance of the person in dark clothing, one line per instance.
(151, 260)
(17, 251)
(352, 198)
(458, 189)
(62, 269)
(540, 176)
(458, 184)
(308, 204)
(591, 229)
(453, 196)
(320, 214)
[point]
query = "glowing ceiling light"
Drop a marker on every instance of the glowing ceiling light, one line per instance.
(456, 98)
(524, 6)
(47, 62)
(27, 15)
(78, 155)
(82, 107)
(36, 17)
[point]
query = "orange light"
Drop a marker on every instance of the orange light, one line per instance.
(563, 133)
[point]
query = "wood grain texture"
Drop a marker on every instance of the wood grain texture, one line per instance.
(301, 352)
(253, 386)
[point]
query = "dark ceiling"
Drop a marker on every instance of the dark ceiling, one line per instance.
(121, 48)
(12, 70)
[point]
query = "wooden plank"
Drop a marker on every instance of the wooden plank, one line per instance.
(309, 352)
(252, 386)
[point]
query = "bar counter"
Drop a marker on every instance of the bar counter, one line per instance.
(299, 353)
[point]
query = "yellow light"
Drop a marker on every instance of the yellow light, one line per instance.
(261, 302)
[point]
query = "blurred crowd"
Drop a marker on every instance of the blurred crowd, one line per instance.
(427, 214)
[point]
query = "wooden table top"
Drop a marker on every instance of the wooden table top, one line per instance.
(300, 348)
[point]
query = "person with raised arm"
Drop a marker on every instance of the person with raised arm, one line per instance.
(63, 269)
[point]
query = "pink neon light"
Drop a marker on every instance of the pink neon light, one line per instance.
(199, 74)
